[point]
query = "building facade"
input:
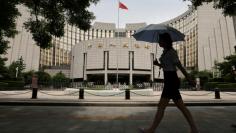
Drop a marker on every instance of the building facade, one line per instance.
(53, 70)
(22, 45)
(187, 23)
(210, 36)
(113, 55)
(60, 53)
(112, 60)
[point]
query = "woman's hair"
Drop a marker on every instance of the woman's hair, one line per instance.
(165, 37)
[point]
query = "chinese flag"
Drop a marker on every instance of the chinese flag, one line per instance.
(122, 6)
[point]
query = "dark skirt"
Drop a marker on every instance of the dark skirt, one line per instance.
(171, 86)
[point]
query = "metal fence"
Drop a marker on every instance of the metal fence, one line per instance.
(156, 86)
(61, 85)
(83, 89)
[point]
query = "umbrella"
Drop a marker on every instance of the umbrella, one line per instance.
(150, 33)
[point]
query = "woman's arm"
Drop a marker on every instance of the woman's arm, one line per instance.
(155, 62)
(187, 76)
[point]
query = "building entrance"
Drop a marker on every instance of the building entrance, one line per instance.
(122, 78)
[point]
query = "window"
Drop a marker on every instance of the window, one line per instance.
(120, 34)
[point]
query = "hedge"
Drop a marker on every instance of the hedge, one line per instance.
(227, 87)
(3, 85)
(220, 85)
(11, 85)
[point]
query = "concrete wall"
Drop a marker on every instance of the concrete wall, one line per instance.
(23, 45)
(100, 56)
(216, 36)
(53, 72)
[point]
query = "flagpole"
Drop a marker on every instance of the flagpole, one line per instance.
(117, 75)
(118, 14)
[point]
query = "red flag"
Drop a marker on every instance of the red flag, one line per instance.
(122, 6)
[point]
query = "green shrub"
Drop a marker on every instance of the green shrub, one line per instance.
(97, 87)
(43, 78)
(15, 85)
(216, 80)
(3, 85)
(212, 85)
(60, 80)
(229, 85)
(229, 78)
(221, 85)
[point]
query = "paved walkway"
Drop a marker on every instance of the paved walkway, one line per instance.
(58, 112)
(44, 119)
(190, 97)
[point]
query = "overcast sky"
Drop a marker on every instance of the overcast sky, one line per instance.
(149, 11)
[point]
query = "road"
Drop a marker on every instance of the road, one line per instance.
(67, 119)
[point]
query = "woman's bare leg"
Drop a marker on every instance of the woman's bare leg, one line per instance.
(159, 115)
(180, 104)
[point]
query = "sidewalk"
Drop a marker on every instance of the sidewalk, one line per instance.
(89, 119)
(60, 98)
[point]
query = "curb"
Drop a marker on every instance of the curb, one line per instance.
(108, 104)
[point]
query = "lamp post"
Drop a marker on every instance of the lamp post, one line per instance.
(17, 69)
(234, 66)
(72, 74)
(234, 70)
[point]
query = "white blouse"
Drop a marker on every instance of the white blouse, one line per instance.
(169, 59)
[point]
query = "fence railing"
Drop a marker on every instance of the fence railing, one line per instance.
(156, 86)
(126, 93)
(90, 88)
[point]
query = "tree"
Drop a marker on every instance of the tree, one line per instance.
(203, 75)
(8, 15)
(60, 80)
(43, 78)
(28, 77)
(15, 70)
(48, 18)
(228, 6)
(60, 77)
(227, 67)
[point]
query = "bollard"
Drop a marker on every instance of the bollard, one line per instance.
(81, 93)
(127, 94)
(217, 93)
(34, 93)
(34, 86)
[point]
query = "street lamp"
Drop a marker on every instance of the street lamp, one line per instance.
(234, 69)
(17, 69)
(72, 74)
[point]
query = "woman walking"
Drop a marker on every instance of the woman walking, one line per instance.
(168, 62)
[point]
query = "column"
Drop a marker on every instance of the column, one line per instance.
(152, 67)
(131, 67)
(105, 69)
(85, 66)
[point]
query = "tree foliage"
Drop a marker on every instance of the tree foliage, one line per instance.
(228, 67)
(16, 69)
(28, 77)
(203, 75)
(48, 18)
(199, 74)
(228, 6)
(60, 80)
(43, 77)
(8, 15)
(60, 77)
